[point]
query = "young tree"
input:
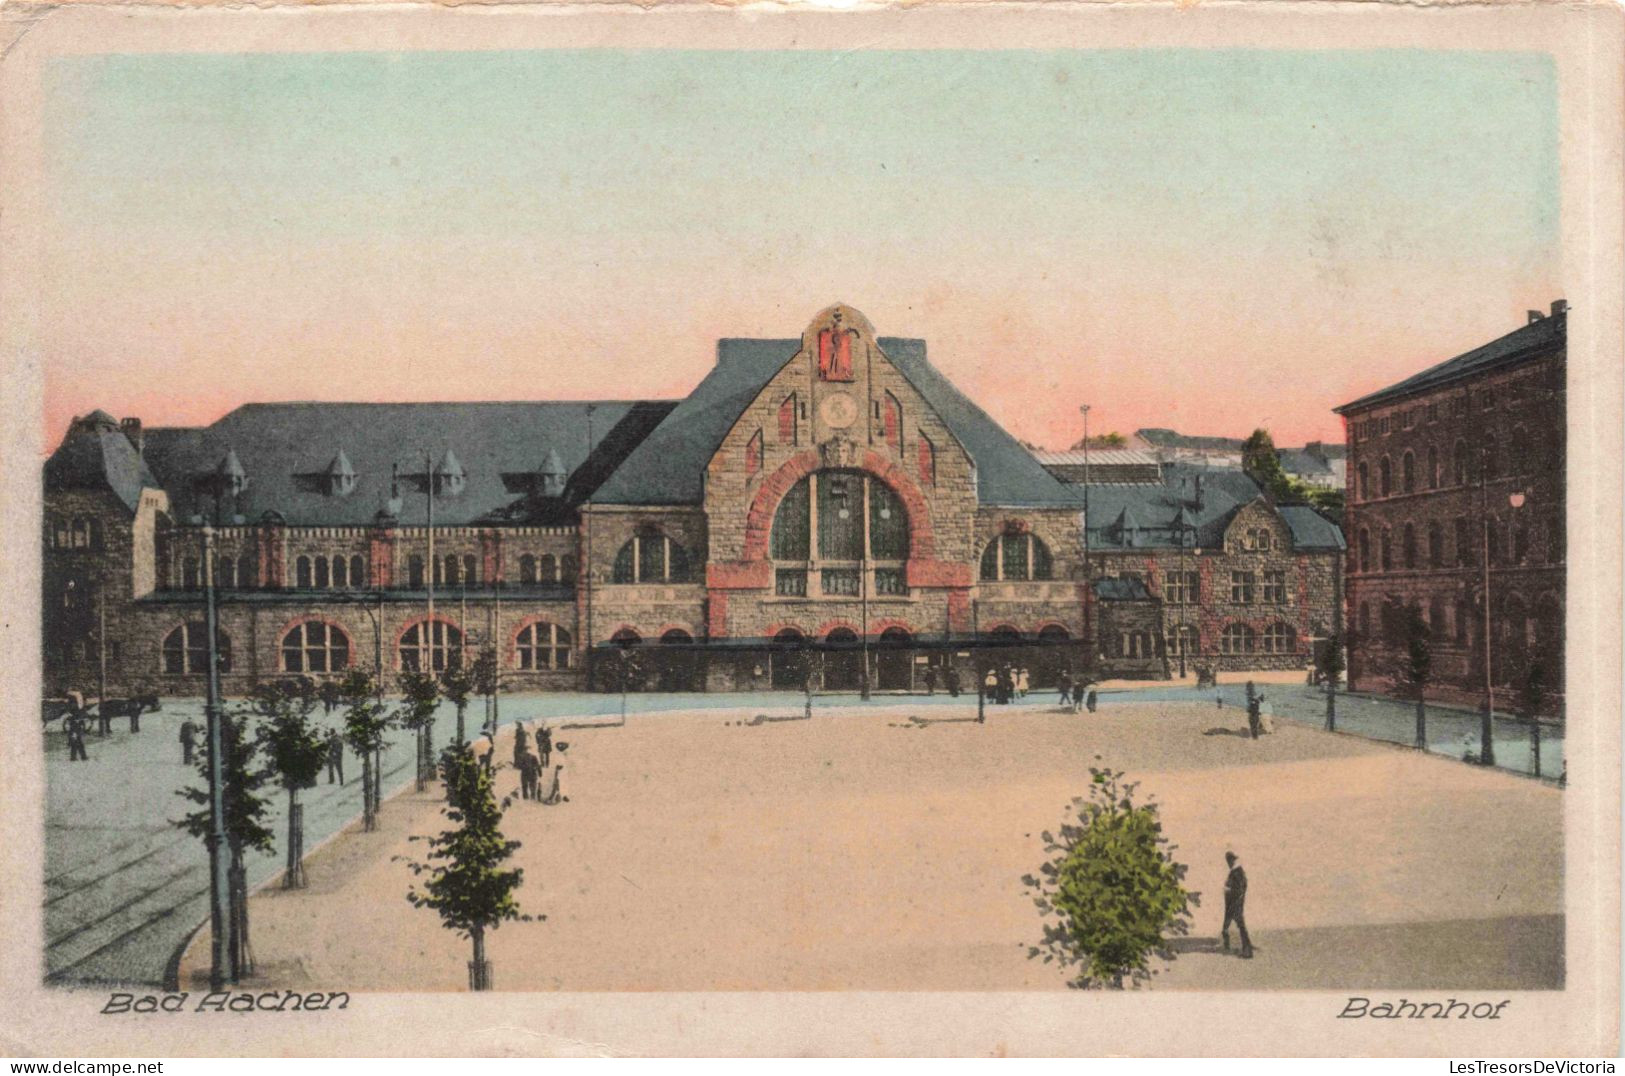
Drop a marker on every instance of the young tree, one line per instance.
(1415, 670)
(1112, 894)
(296, 751)
(486, 682)
(459, 684)
(467, 883)
(245, 811)
(420, 692)
(1329, 663)
(1531, 697)
(365, 723)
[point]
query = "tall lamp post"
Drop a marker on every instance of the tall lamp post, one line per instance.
(219, 891)
(1088, 580)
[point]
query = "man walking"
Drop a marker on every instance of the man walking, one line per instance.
(1092, 701)
(335, 756)
(544, 745)
(1235, 906)
(76, 725)
(1066, 690)
(528, 777)
(188, 741)
(521, 742)
(930, 680)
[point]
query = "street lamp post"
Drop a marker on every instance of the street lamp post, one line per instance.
(219, 892)
(1088, 582)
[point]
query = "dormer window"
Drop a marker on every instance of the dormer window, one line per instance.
(449, 477)
(231, 477)
(341, 476)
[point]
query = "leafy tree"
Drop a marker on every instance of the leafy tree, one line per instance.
(487, 682)
(420, 692)
(459, 684)
(1531, 676)
(1104, 440)
(296, 751)
(1111, 894)
(365, 722)
(1329, 664)
(1415, 670)
(244, 824)
(467, 883)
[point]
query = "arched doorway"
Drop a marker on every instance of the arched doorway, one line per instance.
(843, 663)
(894, 661)
(1054, 655)
(788, 660)
(679, 666)
(628, 666)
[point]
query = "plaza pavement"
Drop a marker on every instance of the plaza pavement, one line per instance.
(713, 850)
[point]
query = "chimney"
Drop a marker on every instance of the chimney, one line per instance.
(132, 430)
(1536, 315)
(1560, 307)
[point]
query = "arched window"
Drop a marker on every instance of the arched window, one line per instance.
(1280, 638)
(225, 573)
(1518, 461)
(189, 573)
(1492, 458)
(1407, 469)
(245, 571)
(527, 570)
(1387, 550)
(301, 573)
(651, 557)
(1385, 476)
(1237, 639)
(424, 648)
(1520, 540)
(543, 646)
(1433, 467)
(315, 647)
(321, 573)
(1435, 546)
(1459, 463)
(414, 572)
(341, 572)
(1492, 541)
(567, 568)
(358, 571)
(1436, 623)
(1464, 543)
(1407, 546)
(826, 518)
(1464, 618)
(547, 569)
(454, 569)
(1365, 482)
(1261, 539)
(1365, 621)
(186, 650)
(1365, 550)
(1016, 557)
(626, 638)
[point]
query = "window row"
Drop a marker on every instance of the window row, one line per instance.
(315, 646)
(79, 532)
(1506, 543)
(340, 572)
(1016, 557)
(1185, 641)
(1484, 398)
(1266, 588)
(1488, 460)
(1520, 628)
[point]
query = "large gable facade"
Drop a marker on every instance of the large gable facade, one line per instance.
(822, 511)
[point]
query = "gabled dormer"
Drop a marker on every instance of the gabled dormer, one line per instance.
(341, 477)
(230, 478)
(449, 477)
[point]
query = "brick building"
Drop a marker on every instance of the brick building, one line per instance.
(1456, 477)
(815, 504)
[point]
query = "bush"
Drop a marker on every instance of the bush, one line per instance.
(1111, 894)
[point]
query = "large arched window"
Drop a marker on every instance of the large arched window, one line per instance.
(1435, 546)
(527, 570)
(341, 572)
(547, 569)
(1407, 545)
(1365, 550)
(1365, 482)
(543, 646)
(358, 571)
(651, 557)
(1237, 639)
(1016, 557)
(423, 649)
(315, 647)
(829, 527)
(1459, 463)
(301, 573)
(1433, 467)
(322, 579)
(1385, 476)
(1387, 550)
(186, 650)
(1407, 472)
(414, 572)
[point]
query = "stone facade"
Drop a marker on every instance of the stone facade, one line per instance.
(1446, 479)
(701, 588)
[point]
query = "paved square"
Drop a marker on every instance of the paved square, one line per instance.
(860, 850)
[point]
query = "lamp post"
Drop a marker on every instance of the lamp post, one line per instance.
(1088, 582)
(219, 891)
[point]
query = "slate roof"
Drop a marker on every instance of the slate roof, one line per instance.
(668, 467)
(286, 451)
(1298, 461)
(1121, 590)
(1530, 341)
(96, 454)
(1154, 513)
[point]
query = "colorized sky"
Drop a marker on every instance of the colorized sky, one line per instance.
(1208, 240)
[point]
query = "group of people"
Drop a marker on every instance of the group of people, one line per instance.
(76, 716)
(532, 764)
(950, 680)
(1006, 683)
(1076, 694)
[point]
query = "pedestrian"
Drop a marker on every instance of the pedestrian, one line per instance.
(76, 726)
(521, 742)
(554, 795)
(990, 684)
(1077, 696)
(953, 682)
(544, 744)
(1252, 715)
(1093, 700)
(528, 777)
(1220, 699)
(335, 757)
(1235, 905)
(188, 741)
(1023, 682)
(329, 692)
(1066, 689)
(930, 679)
